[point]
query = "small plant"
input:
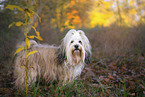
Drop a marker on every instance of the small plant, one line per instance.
(28, 22)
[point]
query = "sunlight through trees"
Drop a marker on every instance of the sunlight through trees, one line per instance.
(64, 14)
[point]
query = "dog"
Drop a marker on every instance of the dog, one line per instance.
(51, 63)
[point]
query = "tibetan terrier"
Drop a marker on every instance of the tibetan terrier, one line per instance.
(63, 63)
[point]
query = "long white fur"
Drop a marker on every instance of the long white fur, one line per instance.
(52, 63)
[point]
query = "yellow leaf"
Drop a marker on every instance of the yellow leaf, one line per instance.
(37, 33)
(29, 14)
(32, 36)
(19, 23)
(39, 37)
(32, 52)
(61, 30)
(11, 24)
(27, 42)
(31, 11)
(34, 28)
(16, 24)
(22, 66)
(20, 46)
(12, 7)
(39, 18)
(19, 49)
(36, 23)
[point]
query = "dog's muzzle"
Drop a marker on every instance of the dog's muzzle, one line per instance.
(76, 49)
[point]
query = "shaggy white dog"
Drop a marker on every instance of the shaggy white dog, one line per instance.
(63, 63)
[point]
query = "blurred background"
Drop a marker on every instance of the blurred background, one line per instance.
(114, 27)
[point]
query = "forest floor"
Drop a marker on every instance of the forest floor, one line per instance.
(115, 76)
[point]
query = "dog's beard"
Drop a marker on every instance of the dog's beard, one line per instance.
(77, 56)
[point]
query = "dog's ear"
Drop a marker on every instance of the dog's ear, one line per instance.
(87, 46)
(61, 55)
(87, 57)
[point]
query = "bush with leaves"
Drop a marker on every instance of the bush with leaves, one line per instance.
(28, 22)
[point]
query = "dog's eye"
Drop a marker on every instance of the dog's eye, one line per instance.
(80, 42)
(72, 41)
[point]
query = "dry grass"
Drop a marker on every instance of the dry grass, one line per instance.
(116, 41)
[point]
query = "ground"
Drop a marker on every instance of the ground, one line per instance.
(109, 73)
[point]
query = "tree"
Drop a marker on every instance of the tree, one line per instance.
(101, 14)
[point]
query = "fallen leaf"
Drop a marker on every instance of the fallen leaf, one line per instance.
(106, 80)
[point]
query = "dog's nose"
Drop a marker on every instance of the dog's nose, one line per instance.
(76, 46)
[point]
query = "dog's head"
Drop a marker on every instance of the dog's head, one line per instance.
(75, 47)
